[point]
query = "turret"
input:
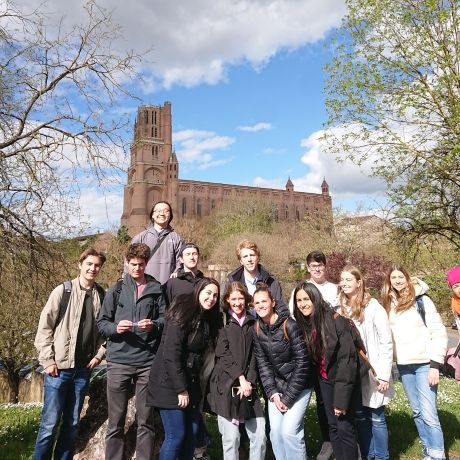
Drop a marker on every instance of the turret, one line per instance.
(289, 185)
(324, 187)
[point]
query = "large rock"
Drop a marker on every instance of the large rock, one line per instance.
(90, 443)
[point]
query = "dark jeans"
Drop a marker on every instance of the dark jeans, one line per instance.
(180, 427)
(341, 429)
(121, 379)
(63, 400)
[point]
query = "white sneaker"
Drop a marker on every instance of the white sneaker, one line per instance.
(326, 451)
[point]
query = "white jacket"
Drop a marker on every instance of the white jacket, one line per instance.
(413, 342)
(376, 334)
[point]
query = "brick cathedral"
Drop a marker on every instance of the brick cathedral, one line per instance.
(153, 175)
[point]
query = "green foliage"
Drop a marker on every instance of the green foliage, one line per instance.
(123, 235)
(393, 100)
(439, 291)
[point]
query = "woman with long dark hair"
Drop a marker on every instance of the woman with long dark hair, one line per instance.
(233, 388)
(333, 355)
(377, 388)
(420, 343)
(182, 366)
(284, 369)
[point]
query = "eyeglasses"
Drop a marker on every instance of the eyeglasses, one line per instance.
(160, 211)
(316, 267)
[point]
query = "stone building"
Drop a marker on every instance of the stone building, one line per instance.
(153, 175)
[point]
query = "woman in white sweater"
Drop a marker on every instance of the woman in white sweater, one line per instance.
(420, 343)
(377, 389)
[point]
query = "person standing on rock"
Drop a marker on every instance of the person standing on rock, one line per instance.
(132, 319)
(69, 346)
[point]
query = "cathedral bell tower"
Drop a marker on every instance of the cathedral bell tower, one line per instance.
(153, 171)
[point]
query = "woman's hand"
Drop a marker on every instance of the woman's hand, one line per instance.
(433, 376)
(382, 385)
(183, 399)
(245, 387)
(279, 405)
(338, 412)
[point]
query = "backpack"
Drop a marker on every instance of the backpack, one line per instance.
(451, 367)
(364, 365)
(65, 299)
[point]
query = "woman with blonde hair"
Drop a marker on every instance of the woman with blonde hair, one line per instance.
(371, 320)
(420, 343)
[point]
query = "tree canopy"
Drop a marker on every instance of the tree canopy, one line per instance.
(393, 99)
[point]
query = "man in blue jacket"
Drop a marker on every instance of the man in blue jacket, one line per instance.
(132, 319)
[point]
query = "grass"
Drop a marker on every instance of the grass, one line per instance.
(19, 424)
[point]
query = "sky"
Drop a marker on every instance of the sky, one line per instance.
(245, 79)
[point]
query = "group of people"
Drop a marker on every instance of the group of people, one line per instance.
(169, 336)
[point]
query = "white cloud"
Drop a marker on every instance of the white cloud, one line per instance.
(262, 126)
(346, 180)
(198, 148)
(197, 41)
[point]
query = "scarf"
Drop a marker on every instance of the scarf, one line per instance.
(455, 303)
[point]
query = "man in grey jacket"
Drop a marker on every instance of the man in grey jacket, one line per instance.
(69, 346)
(132, 319)
(164, 243)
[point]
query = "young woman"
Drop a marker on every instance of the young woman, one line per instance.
(453, 280)
(420, 342)
(179, 372)
(284, 368)
(377, 389)
(333, 355)
(233, 394)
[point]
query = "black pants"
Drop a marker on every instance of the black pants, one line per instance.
(321, 412)
(341, 429)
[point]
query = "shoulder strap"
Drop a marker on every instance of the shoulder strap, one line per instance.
(421, 308)
(117, 291)
(257, 328)
(64, 303)
(157, 245)
(101, 292)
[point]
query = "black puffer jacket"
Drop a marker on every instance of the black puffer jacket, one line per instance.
(283, 363)
(234, 357)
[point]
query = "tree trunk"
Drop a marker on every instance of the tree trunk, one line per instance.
(13, 383)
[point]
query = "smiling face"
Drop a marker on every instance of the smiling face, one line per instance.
(208, 296)
(89, 270)
(303, 303)
(237, 303)
(249, 260)
(456, 290)
(398, 280)
(161, 215)
(264, 305)
(189, 258)
(349, 284)
(317, 272)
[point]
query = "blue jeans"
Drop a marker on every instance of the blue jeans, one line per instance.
(422, 398)
(180, 427)
(287, 428)
(372, 432)
(63, 399)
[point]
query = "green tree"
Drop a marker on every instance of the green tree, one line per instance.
(393, 99)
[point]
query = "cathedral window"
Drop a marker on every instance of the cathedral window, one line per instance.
(286, 212)
(198, 208)
(184, 207)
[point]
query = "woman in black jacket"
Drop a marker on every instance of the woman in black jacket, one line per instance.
(333, 355)
(284, 368)
(233, 395)
(179, 373)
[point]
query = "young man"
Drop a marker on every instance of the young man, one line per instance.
(187, 275)
(163, 241)
(132, 319)
(316, 266)
(69, 346)
(251, 272)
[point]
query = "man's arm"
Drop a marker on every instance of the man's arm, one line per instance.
(106, 319)
(44, 338)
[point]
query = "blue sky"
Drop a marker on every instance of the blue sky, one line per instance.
(245, 79)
